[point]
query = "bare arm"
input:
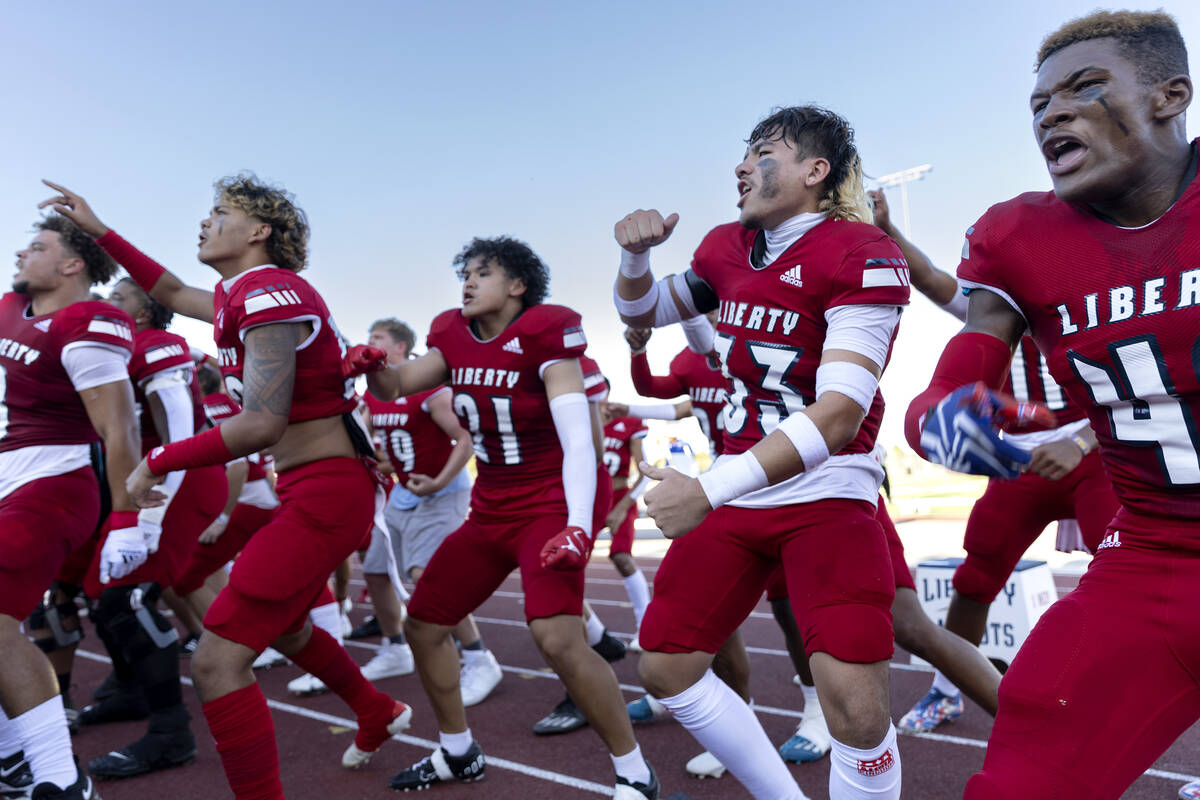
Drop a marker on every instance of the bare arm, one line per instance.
(636, 233)
(166, 288)
(110, 409)
(938, 286)
(414, 375)
(443, 415)
(268, 381)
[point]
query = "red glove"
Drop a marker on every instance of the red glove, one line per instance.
(361, 359)
(1010, 414)
(570, 548)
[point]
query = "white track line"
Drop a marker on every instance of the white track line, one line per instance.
(502, 763)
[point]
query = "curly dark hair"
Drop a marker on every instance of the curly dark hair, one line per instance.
(209, 378)
(100, 268)
(516, 258)
(288, 244)
(818, 132)
(160, 315)
(1149, 39)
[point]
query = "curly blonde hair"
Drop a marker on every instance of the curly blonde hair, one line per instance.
(288, 243)
(1149, 39)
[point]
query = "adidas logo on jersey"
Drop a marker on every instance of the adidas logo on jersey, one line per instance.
(166, 351)
(1111, 540)
(270, 297)
(513, 346)
(792, 276)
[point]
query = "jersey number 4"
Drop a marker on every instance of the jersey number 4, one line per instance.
(1143, 407)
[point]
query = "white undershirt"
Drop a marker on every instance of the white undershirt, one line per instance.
(787, 233)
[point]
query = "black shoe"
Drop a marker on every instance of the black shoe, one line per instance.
(72, 715)
(565, 717)
(81, 789)
(441, 766)
(610, 648)
(16, 778)
(151, 753)
(127, 703)
(107, 688)
(629, 790)
(369, 628)
(187, 648)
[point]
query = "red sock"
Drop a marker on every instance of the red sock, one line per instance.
(245, 735)
(329, 661)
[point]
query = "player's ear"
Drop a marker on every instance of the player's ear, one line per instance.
(71, 267)
(1172, 97)
(817, 170)
(516, 287)
(260, 232)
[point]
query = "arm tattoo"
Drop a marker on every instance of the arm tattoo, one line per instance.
(270, 373)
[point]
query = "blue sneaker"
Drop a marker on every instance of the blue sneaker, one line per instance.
(646, 709)
(1190, 792)
(810, 742)
(933, 709)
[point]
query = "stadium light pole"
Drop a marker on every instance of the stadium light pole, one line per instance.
(902, 179)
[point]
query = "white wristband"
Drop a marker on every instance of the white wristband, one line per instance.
(733, 478)
(222, 518)
(806, 437)
(634, 265)
(652, 411)
(635, 308)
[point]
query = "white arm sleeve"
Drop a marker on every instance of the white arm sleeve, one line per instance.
(652, 411)
(866, 330)
(92, 364)
(699, 334)
(573, 423)
(957, 306)
(172, 389)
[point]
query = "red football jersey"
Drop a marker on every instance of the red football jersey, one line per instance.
(156, 351)
(219, 407)
(618, 435)
(269, 294)
(1116, 312)
(412, 440)
(594, 384)
(1029, 379)
(40, 404)
(708, 391)
(500, 398)
(772, 320)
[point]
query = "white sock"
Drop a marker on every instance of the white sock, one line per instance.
(329, 619)
(47, 744)
(10, 738)
(943, 685)
(456, 744)
(865, 774)
(472, 657)
(632, 766)
(639, 594)
(726, 727)
(812, 703)
(595, 630)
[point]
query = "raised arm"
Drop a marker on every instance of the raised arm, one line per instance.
(162, 285)
(940, 287)
(641, 301)
(644, 383)
(412, 376)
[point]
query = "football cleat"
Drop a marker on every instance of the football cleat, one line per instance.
(107, 688)
(128, 703)
(932, 710)
(16, 778)
(1190, 791)
(151, 753)
(269, 658)
(369, 628)
(705, 765)
(307, 686)
(391, 661)
(565, 717)
(810, 742)
(356, 756)
(440, 766)
(646, 709)
(479, 677)
(610, 648)
(81, 789)
(631, 790)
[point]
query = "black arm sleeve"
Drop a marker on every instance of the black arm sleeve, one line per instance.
(703, 296)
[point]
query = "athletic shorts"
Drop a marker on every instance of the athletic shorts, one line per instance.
(416, 533)
(777, 583)
(838, 573)
(622, 537)
(198, 501)
(1011, 514)
(1109, 677)
(206, 559)
(40, 524)
(326, 507)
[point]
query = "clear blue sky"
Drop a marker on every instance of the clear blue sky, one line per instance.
(404, 129)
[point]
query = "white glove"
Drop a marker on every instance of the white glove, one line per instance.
(124, 551)
(150, 519)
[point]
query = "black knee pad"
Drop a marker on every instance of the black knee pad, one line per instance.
(129, 615)
(55, 622)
